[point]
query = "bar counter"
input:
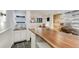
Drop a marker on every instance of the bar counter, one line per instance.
(57, 39)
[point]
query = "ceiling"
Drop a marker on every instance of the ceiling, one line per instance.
(21, 11)
(40, 13)
(36, 13)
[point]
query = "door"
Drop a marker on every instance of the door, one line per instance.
(57, 21)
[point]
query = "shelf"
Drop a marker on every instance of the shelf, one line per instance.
(20, 16)
(20, 22)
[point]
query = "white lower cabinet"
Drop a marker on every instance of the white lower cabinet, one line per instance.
(19, 35)
(33, 40)
(37, 42)
(23, 35)
(40, 43)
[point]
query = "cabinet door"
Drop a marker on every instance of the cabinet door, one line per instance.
(40, 43)
(20, 35)
(23, 35)
(17, 36)
(33, 40)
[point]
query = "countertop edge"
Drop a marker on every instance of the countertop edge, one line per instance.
(52, 45)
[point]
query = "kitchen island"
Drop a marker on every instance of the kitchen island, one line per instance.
(57, 39)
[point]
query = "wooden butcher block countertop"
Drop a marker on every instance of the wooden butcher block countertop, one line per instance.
(57, 39)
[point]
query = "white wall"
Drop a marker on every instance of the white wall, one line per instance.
(6, 38)
(43, 14)
(11, 17)
(20, 12)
